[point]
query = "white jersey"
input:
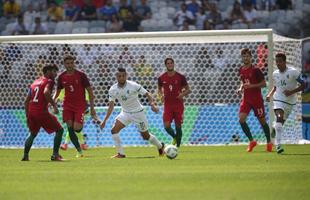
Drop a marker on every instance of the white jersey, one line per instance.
(128, 96)
(286, 80)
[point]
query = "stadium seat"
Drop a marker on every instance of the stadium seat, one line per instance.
(97, 23)
(80, 24)
(10, 27)
(51, 26)
(96, 30)
(64, 27)
(80, 30)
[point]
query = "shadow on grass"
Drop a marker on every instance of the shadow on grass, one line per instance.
(140, 157)
(295, 154)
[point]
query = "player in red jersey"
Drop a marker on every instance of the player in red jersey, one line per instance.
(37, 114)
(172, 87)
(74, 82)
(252, 80)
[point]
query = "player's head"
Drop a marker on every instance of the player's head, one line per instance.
(281, 61)
(121, 75)
(69, 62)
(50, 70)
(169, 63)
(246, 56)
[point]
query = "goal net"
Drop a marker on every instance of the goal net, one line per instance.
(209, 59)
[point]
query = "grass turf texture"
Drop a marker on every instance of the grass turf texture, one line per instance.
(223, 172)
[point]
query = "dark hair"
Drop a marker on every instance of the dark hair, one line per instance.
(246, 51)
(49, 67)
(166, 60)
(281, 55)
(121, 69)
(68, 57)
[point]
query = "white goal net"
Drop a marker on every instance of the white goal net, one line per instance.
(209, 59)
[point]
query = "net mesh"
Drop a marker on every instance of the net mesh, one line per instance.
(210, 65)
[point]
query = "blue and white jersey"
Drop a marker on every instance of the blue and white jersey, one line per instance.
(128, 96)
(287, 80)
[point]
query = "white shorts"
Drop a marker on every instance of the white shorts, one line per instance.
(287, 108)
(138, 118)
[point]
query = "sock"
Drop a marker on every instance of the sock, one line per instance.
(246, 130)
(57, 141)
(279, 129)
(74, 139)
(67, 137)
(179, 135)
(118, 143)
(80, 137)
(170, 131)
(154, 141)
(28, 144)
(267, 132)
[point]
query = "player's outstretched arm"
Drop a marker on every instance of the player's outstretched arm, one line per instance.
(152, 102)
(109, 112)
(270, 94)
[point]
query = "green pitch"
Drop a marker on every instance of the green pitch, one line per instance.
(225, 172)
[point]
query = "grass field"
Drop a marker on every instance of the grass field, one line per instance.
(225, 172)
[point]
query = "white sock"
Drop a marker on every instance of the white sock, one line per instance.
(153, 140)
(118, 143)
(279, 129)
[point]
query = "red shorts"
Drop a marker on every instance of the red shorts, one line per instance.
(174, 112)
(258, 108)
(45, 120)
(74, 116)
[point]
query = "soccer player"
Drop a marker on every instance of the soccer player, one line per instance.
(74, 82)
(252, 80)
(37, 114)
(287, 82)
(127, 92)
(172, 87)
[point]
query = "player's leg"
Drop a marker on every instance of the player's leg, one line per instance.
(259, 112)
(167, 119)
(154, 141)
(80, 136)
(278, 126)
(178, 119)
(117, 127)
(64, 146)
(77, 128)
(34, 128)
(244, 110)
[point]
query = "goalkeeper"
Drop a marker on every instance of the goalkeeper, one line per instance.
(80, 135)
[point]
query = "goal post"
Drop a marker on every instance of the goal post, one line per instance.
(209, 59)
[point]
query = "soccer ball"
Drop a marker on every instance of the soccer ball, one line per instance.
(171, 151)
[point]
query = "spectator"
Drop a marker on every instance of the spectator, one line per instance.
(29, 15)
(183, 15)
(115, 25)
(23, 4)
(124, 9)
(193, 7)
(250, 14)
(107, 11)
(131, 24)
(268, 5)
(54, 12)
(39, 5)
(214, 16)
(207, 25)
(88, 11)
(200, 18)
(71, 11)
(38, 27)
(284, 4)
(186, 26)
(236, 15)
(20, 27)
(11, 9)
(143, 11)
(244, 3)
(205, 4)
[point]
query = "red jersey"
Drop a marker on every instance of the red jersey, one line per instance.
(38, 103)
(172, 86)
(74, 85)
(251, 75)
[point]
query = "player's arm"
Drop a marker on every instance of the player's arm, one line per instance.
(48, 96)
(185, 91)
(109, 112)
(56, 95)
(270, 94)
(239, 90)
(160, 91)
(261, 84)
(301, 87)
(152, 102)
(91, 102)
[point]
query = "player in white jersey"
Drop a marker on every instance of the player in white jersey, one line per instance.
(287, 82)
(126, 92)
